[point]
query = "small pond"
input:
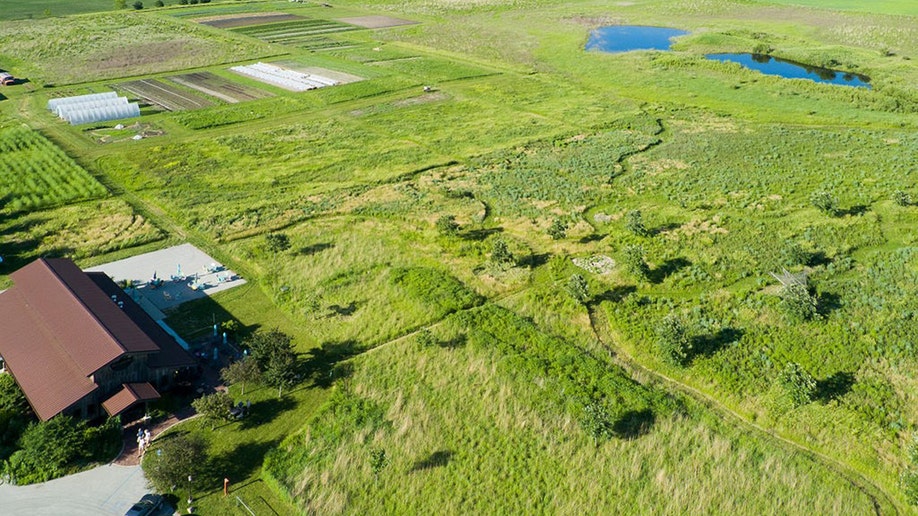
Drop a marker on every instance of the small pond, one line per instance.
(624, 38)
(791, 70)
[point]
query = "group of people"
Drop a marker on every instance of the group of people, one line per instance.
(143, 439)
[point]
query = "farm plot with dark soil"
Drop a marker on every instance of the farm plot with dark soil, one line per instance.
(223, 89)
(165, 95)
(232, 21)
(306, 33)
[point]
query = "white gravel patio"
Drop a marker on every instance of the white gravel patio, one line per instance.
(182, 273)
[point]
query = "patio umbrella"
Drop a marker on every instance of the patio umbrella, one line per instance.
(178, 270)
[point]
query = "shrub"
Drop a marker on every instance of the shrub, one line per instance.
(578, 289)
(634, 222)
(799, 305)
(673, 342)
(557, 230)
(633, 261)
(798, 384)
(500, 254)
(447, 225)
(902, 198)
(824, 202)
(159, 3)
(138, 5)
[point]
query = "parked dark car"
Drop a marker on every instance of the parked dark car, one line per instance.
(147, 504)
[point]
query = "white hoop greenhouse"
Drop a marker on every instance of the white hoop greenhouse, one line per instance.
(53, 103)
(97, 107)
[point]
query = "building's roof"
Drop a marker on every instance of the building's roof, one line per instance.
(60, 325)
(129, 394)
(170, 353)
(49, 379)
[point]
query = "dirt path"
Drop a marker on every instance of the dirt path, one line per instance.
(882, 502)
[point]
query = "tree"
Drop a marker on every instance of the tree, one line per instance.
(597, 422)
(138, 5)
(557, 230)
(447, 225)
(798, 384)
(673, 342)
(578, 289)
(277, 243)
(633, 261)
(378, 460)
(902, 198)
(824, 202)
(278, 362)
(171, 461)
(241, 372)
(501, 255)
(47, 450)
(799, 305)
(120, 4)
(634, 222)
(159, 3)
(214, 408)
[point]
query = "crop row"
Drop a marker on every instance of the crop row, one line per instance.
(39, 174)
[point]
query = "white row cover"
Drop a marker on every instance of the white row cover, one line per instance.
(101, 114)
(53, 103)
(283, 77)
(89, 104)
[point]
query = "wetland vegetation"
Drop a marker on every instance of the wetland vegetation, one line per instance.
(519, 274)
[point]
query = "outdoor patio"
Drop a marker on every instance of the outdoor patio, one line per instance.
(169, 277)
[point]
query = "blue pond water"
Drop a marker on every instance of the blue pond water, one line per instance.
(791, 70)
(624, 38)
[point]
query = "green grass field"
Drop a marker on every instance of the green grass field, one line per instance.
(519, 128)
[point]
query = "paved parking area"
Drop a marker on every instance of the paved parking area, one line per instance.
(106, 490)
(183, 273)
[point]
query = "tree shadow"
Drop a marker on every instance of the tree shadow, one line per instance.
(707, 345)
(320, 362)
(592, 237)
(344, 311)
(436, 459)
(480, 234)
(834, 386)
(535, 260)
(828, 302)
(613, 295)
(456, 342)
(312, 249)
(853, 211)
(238, 463)
(665, 227)
(818, 258)
(667, 269)
(265, 411)
(634, 423)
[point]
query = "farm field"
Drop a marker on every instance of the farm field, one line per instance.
(37, 174)
(29, 9)
(164, 95)
(496, 240)
(223, 89)
(292, 32)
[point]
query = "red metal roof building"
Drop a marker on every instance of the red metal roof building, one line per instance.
(75, 343)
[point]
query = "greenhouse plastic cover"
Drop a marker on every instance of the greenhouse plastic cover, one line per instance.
(61, 109)
(283, 77)
(53, 103)
(101, 114)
